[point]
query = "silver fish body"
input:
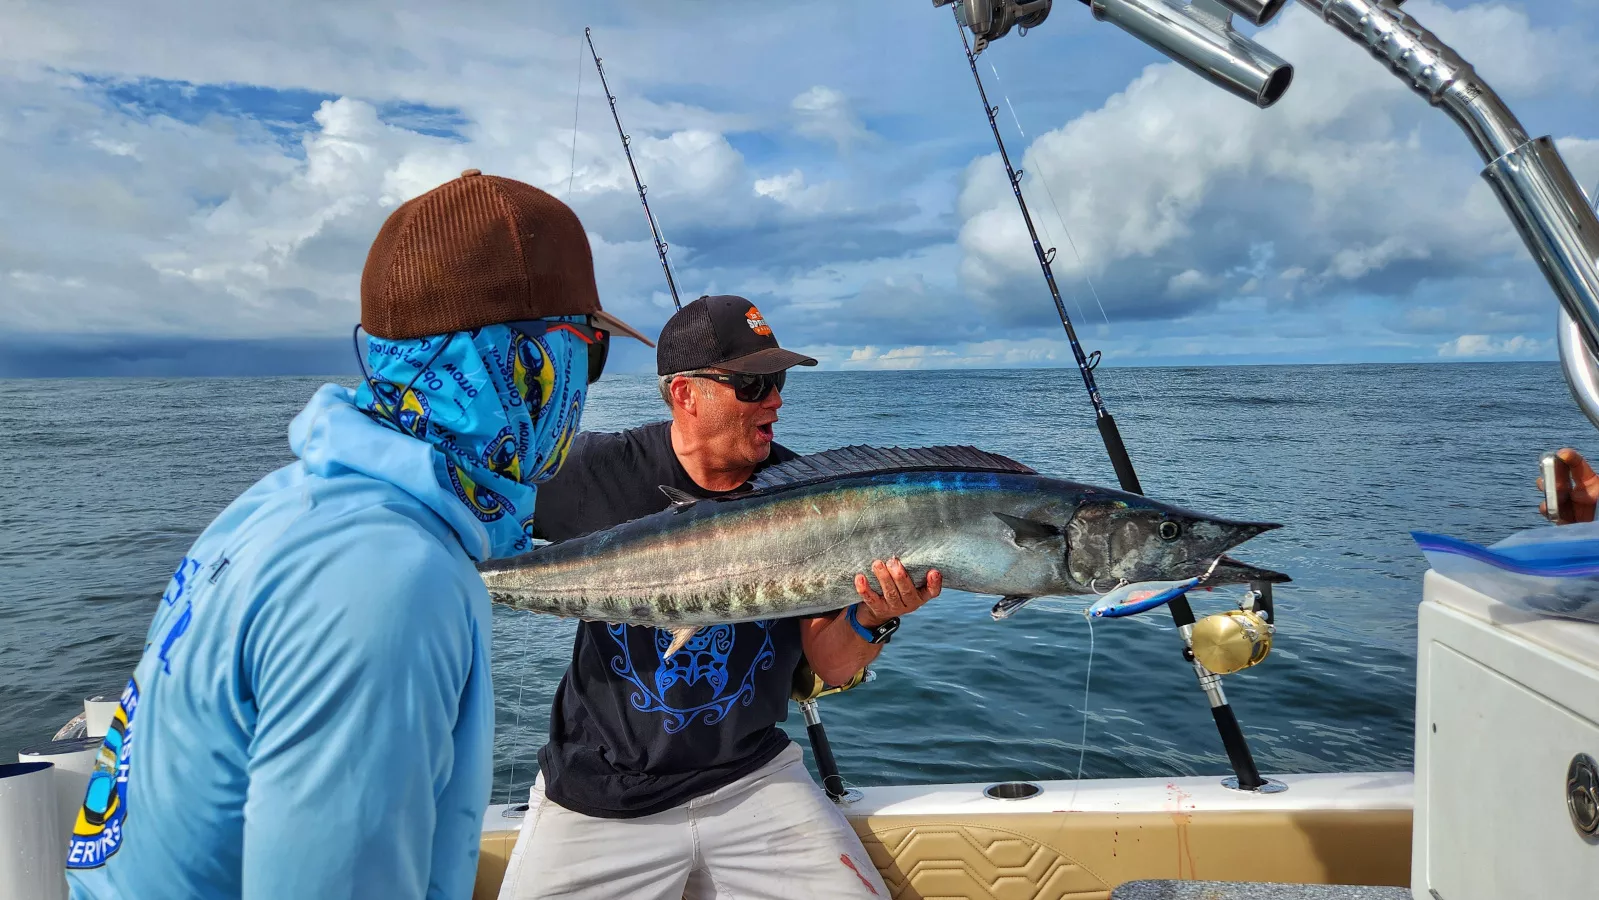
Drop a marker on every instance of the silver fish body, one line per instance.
(794, 549)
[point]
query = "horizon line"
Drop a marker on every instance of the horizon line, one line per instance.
(641, 374)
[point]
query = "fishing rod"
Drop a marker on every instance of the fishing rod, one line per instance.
(826, 763)
(1232, 734)
(1086, 363)
(655, 231)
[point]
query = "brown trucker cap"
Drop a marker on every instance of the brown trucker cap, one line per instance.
(479, 250)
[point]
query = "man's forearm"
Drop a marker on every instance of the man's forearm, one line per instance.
(833, 648)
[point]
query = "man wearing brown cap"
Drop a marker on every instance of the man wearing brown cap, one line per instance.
(313, 713)
(668, 776)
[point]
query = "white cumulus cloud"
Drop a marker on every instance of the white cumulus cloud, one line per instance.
(1479, 345)
(825, 113)
(1349, 178)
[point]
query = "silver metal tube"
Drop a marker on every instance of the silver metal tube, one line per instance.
(1532, 182)
(1258, 12)
(812, 714)
(1582, 373)
(1200, 36)
(1557, 225)
(1430, 67)
(1209, 681)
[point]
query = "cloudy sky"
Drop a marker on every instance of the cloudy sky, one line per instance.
(192, 187)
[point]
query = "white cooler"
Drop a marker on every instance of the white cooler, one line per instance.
(1507, 751)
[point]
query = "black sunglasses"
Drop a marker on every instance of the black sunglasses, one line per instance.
(597, 339)
(746, 387)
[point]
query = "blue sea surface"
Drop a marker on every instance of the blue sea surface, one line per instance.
(106, 482)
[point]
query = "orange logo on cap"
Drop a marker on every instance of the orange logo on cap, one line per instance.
(758, 324)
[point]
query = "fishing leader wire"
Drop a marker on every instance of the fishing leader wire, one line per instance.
(577, 104)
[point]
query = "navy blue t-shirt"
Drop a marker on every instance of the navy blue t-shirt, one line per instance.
(632, 734)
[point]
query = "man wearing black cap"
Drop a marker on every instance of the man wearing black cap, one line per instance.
(668, 777)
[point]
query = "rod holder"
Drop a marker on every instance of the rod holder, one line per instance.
(1200, 37)
(1256, 12)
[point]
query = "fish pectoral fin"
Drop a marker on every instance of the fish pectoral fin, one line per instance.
(680, 637)
(679, 498)
(1029, 532)
(1008, 605)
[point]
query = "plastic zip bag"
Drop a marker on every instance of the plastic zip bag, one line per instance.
(1552, 570)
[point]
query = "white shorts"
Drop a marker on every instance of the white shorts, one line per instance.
(772, 835)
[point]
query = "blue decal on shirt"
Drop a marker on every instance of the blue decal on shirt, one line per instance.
(186, 568)
(175, 632)
(703, 659)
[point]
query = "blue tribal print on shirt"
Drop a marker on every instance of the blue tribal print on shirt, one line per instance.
(676, 683)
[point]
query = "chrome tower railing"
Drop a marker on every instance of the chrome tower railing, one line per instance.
(1548, 208)
(1556, 221)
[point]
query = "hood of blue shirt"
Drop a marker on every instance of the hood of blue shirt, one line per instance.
(332, 437)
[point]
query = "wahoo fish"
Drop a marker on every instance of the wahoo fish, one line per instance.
(792, 544)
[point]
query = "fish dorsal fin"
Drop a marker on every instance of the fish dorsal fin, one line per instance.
(858, 460)
(679, 498)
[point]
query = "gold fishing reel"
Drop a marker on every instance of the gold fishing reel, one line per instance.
(1231, 641)
(808, 686)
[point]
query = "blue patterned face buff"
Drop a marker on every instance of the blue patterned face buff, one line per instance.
(500, 409)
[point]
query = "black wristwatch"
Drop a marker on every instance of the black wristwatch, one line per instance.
(878, 635)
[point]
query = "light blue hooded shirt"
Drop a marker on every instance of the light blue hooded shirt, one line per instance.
(313, 715)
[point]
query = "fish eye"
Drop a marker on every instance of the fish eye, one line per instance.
(1169, 530)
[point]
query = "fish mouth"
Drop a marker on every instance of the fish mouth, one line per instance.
(1232, 571)
(1228, 570)
(1238, 532)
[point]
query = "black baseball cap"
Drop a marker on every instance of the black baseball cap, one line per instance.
(723, 332)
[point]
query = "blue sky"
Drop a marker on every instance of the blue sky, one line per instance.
(192, 188)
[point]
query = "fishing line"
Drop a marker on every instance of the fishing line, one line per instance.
(1087, 279)
(1013, 117)
(1115, 447)
(576, 105)
(1088, 678)
(521, 658)
(1077, 300)
(1051, 194)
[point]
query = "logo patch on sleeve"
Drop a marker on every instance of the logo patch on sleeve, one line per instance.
(97, 834)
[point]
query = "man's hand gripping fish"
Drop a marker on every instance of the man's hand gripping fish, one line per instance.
(791, 546)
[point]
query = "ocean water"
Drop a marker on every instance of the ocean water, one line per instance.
(103, 484)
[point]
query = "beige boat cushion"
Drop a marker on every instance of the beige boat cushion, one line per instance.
(1083, 856)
